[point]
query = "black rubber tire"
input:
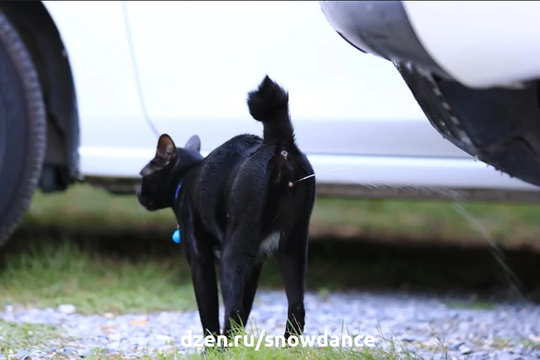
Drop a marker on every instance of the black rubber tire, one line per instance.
(22, 128)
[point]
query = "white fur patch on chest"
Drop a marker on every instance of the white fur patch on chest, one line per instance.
(270, 244)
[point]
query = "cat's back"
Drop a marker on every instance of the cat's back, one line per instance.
(215, 177)
(233, 151)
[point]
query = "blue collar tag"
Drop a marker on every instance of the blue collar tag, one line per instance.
(176, 233)
(176, 236)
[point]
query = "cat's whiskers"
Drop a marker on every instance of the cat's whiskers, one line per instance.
(315, 174)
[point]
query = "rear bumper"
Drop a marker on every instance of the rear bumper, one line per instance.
(479, 44)
(380, 28)
(473, 68)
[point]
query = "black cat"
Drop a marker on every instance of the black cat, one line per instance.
(242, 203)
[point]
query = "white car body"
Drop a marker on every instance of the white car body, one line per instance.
(450, 29)
(188, 66)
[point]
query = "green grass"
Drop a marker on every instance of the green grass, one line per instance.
(16, 337)
(532, 344)
(475, 305)
(274, 353)
(270, 353)
(45, 272)
(427, 221)
(267, 353)
(53, 274)
(42, 272)
(86, 208)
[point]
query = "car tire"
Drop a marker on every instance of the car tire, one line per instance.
(22, 128)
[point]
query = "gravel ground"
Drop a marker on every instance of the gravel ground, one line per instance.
(505, 332)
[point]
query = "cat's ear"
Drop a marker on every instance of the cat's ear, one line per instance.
(166, 149)
(194, 143)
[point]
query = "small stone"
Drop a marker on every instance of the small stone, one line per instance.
(69, 350)
(67, 309)
(455, 347)
(140, 341)
(23, 355)
(108, 315)
(114, 346)
(163, 338)
(138, 322)
(102, 338)
(466, 350)
(115, 337)
(481, 355)
(83, 352)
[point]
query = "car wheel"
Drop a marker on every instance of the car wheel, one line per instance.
(22, 128)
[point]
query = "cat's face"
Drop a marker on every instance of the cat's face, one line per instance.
(158, 176)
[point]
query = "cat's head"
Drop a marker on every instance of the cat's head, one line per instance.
(161, 174)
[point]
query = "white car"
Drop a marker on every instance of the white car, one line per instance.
(87, 87)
